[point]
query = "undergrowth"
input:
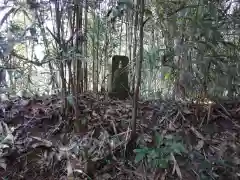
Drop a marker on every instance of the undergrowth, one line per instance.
(166, 151)
(162, 153)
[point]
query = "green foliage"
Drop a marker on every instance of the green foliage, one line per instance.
(208, 43)
(208, 34)
(160, 155)
(118, 10)
(208, 168)
(15, 28)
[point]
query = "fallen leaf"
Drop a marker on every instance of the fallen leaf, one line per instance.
(69, 168)
(106, 176)
(200, 145)
(198, 134)
(3, 163)
(186, 111)
(176, 167)
(171, 127)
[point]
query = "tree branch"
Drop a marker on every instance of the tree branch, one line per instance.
(37, 63)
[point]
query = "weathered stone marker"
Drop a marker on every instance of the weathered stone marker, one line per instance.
(118, 78)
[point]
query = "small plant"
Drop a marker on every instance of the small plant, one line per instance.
(161, 155)
(210, 169)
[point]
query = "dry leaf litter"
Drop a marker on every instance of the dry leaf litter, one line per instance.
(38, 143)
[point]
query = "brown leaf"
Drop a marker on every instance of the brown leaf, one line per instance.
(3, 164)
(176, 167)
(186, 111)
(106, 176)
(171, 127)
(200, 145)
(198, 134)
(69, 169)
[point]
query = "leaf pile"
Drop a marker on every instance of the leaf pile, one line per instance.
(38, 142)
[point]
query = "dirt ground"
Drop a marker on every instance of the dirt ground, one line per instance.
(38, 142)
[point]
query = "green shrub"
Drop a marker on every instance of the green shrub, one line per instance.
(160, 155)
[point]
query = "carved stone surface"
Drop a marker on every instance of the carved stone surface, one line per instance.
(118, 78)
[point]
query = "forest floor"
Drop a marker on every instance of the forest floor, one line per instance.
(175, 140)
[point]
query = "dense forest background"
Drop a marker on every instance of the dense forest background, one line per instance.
(61, 117)
(188, 46)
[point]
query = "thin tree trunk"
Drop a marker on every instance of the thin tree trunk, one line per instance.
(94, 74)
(85, 47)
(126, 41)
(97, 54)
(58, 24)
(121, 29)
(130, 38)
(135, 45)
(138, 71)
(79, 47)
(105, 60)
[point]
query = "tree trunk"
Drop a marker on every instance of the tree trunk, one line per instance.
(135, 45)
(85, 46)
(138, 71)
(79, 84)
(58, 27)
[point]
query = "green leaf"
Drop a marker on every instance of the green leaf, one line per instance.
(152, 154)
(162, 163)
(159, 139)
(178, 148)
(139, 157)
(167, 76)
(128, 3)
(148, 12)
(168, 137)
(154, 163)
(205, 165)
(141, 150)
